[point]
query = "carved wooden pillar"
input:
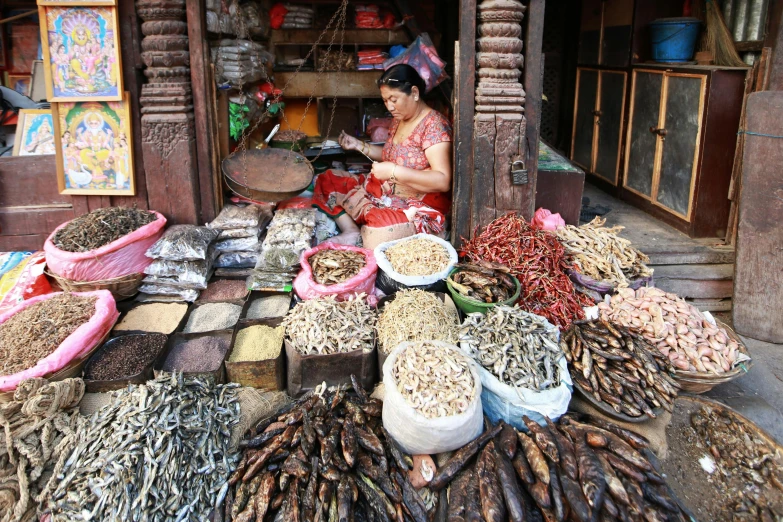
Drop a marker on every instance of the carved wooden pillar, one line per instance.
(499, 126)
(167, 129)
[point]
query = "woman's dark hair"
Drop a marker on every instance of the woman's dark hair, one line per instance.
(402, 77)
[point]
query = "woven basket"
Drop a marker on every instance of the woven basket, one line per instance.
(699, 382)
(121, 288)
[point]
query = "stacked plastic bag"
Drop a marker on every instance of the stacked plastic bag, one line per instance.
(243, 21)
(182, 263)
(240, 61)
(239, 226)
(369, 16)
(371, 58)
(298, 17)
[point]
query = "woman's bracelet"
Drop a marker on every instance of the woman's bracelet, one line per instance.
(364, 144)
(393, 178)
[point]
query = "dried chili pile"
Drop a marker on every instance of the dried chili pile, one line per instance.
(537, 259)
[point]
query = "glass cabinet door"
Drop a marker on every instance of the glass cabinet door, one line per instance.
(642, 143)
(584, 118)
(610, 123)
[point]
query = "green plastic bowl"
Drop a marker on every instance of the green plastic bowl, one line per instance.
(470, 306)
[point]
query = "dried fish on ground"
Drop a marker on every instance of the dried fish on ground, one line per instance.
(100, 227)
(158, 452)
(416, 315)
(435, 380)
(516, 346)
(331, 267)
(619, 368)
(326, 457)
(325, 325)
(417, 257)
(35, 332)
(37, 425)
(678, 329)
(600, 253)
(484, 281)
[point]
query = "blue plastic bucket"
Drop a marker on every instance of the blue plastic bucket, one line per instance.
(674, 39)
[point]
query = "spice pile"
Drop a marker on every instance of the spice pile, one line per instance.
(257, 343)
(619, 369)
(154, 317)
(483, 281)
(211, 317)
(36, 332)
(100, 227)
(517, 347)
(434, 380)
(677, 328)
(269, 307)
(416, 315)
(224, 290)
(175, 468)
(202, 354)
(325, 326)
(417, 257)
(38, 426)
(601, 254)
(537, 259)
(325, 457)
(331, 267)
(594, 470)
(127, 355)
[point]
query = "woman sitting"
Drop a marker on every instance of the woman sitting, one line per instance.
(411, 174)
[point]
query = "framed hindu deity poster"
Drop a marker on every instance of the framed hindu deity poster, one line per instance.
(77, 2)
(34, 133)
(94, 154)
(81, 53)
(18, 82)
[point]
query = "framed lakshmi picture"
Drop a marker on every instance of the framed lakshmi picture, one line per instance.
(18, 82)
(93, 146)
(34, 133)
(81, 53)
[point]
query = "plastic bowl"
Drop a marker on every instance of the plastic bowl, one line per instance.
(470, 306)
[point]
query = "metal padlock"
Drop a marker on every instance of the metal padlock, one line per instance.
(519, 172)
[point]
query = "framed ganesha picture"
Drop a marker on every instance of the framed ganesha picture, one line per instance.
(81, 53)
(94, 155)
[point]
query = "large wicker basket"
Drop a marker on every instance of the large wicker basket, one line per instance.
(121, 288)
(699, 382)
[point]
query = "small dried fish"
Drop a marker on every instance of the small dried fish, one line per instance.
(417, 257)
(416, 315)
(434, 379)
(516, 346)
(325, 325)
(331, 267)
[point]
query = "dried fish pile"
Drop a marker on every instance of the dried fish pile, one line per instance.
(416, 315)
(619, 368)
(100, 227)
(324, 326)
(484, 281)
(37, 331)
(37, 427)
(570, 471)
(677, 328)
(600, 253)
(417, 257)
(516, 346)
(326, 457)
(434, 380)
(331, 267)
(157, 452)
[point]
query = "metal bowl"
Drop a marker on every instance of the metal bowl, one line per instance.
(268, 174)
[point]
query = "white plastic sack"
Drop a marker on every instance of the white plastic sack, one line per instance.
(383, 262)
(502, 401)
(419, 435)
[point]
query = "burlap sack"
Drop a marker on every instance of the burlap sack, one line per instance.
(92, 402)
(254, 405)
(654, 430)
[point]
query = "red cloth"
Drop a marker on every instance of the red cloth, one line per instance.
(277, 15)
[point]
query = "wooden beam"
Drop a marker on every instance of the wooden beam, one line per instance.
(352, 36)
(775, 41)
(347, 84)
(534, 72)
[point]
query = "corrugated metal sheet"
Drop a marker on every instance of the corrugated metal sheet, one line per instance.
(746, 18)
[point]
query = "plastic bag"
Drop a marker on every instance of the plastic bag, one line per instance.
(8, 260)
(545, 220)
(184, 243)
(390, 281)
(235, 233)
(294, 216)
(186, 294)
(234, 216)
(363, 282)
(119, 258)
(242, 244)
(194, 272)
(596, 290)
(75, 346)
(173, 281)
(237, 260)
(422, 56)
(419, 435)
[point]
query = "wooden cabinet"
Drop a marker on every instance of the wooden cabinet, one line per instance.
(605, 32)
(680, 144)
(598, 122)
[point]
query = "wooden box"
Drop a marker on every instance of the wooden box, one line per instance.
(267, 375)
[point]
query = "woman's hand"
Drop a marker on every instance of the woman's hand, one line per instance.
(349, 142)
(383, 170)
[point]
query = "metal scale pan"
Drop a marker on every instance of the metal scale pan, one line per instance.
(268, 174)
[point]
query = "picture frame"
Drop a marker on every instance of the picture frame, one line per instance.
(77, 3)
(34, 133)
(23, 47)
(18, 82)
(81, 51)
(3, 53)
(38, 82)
(94, 147)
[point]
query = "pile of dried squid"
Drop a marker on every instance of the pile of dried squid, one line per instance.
(601, 254)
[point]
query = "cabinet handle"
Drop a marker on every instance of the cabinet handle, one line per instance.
(659, 132)
(598, 113)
